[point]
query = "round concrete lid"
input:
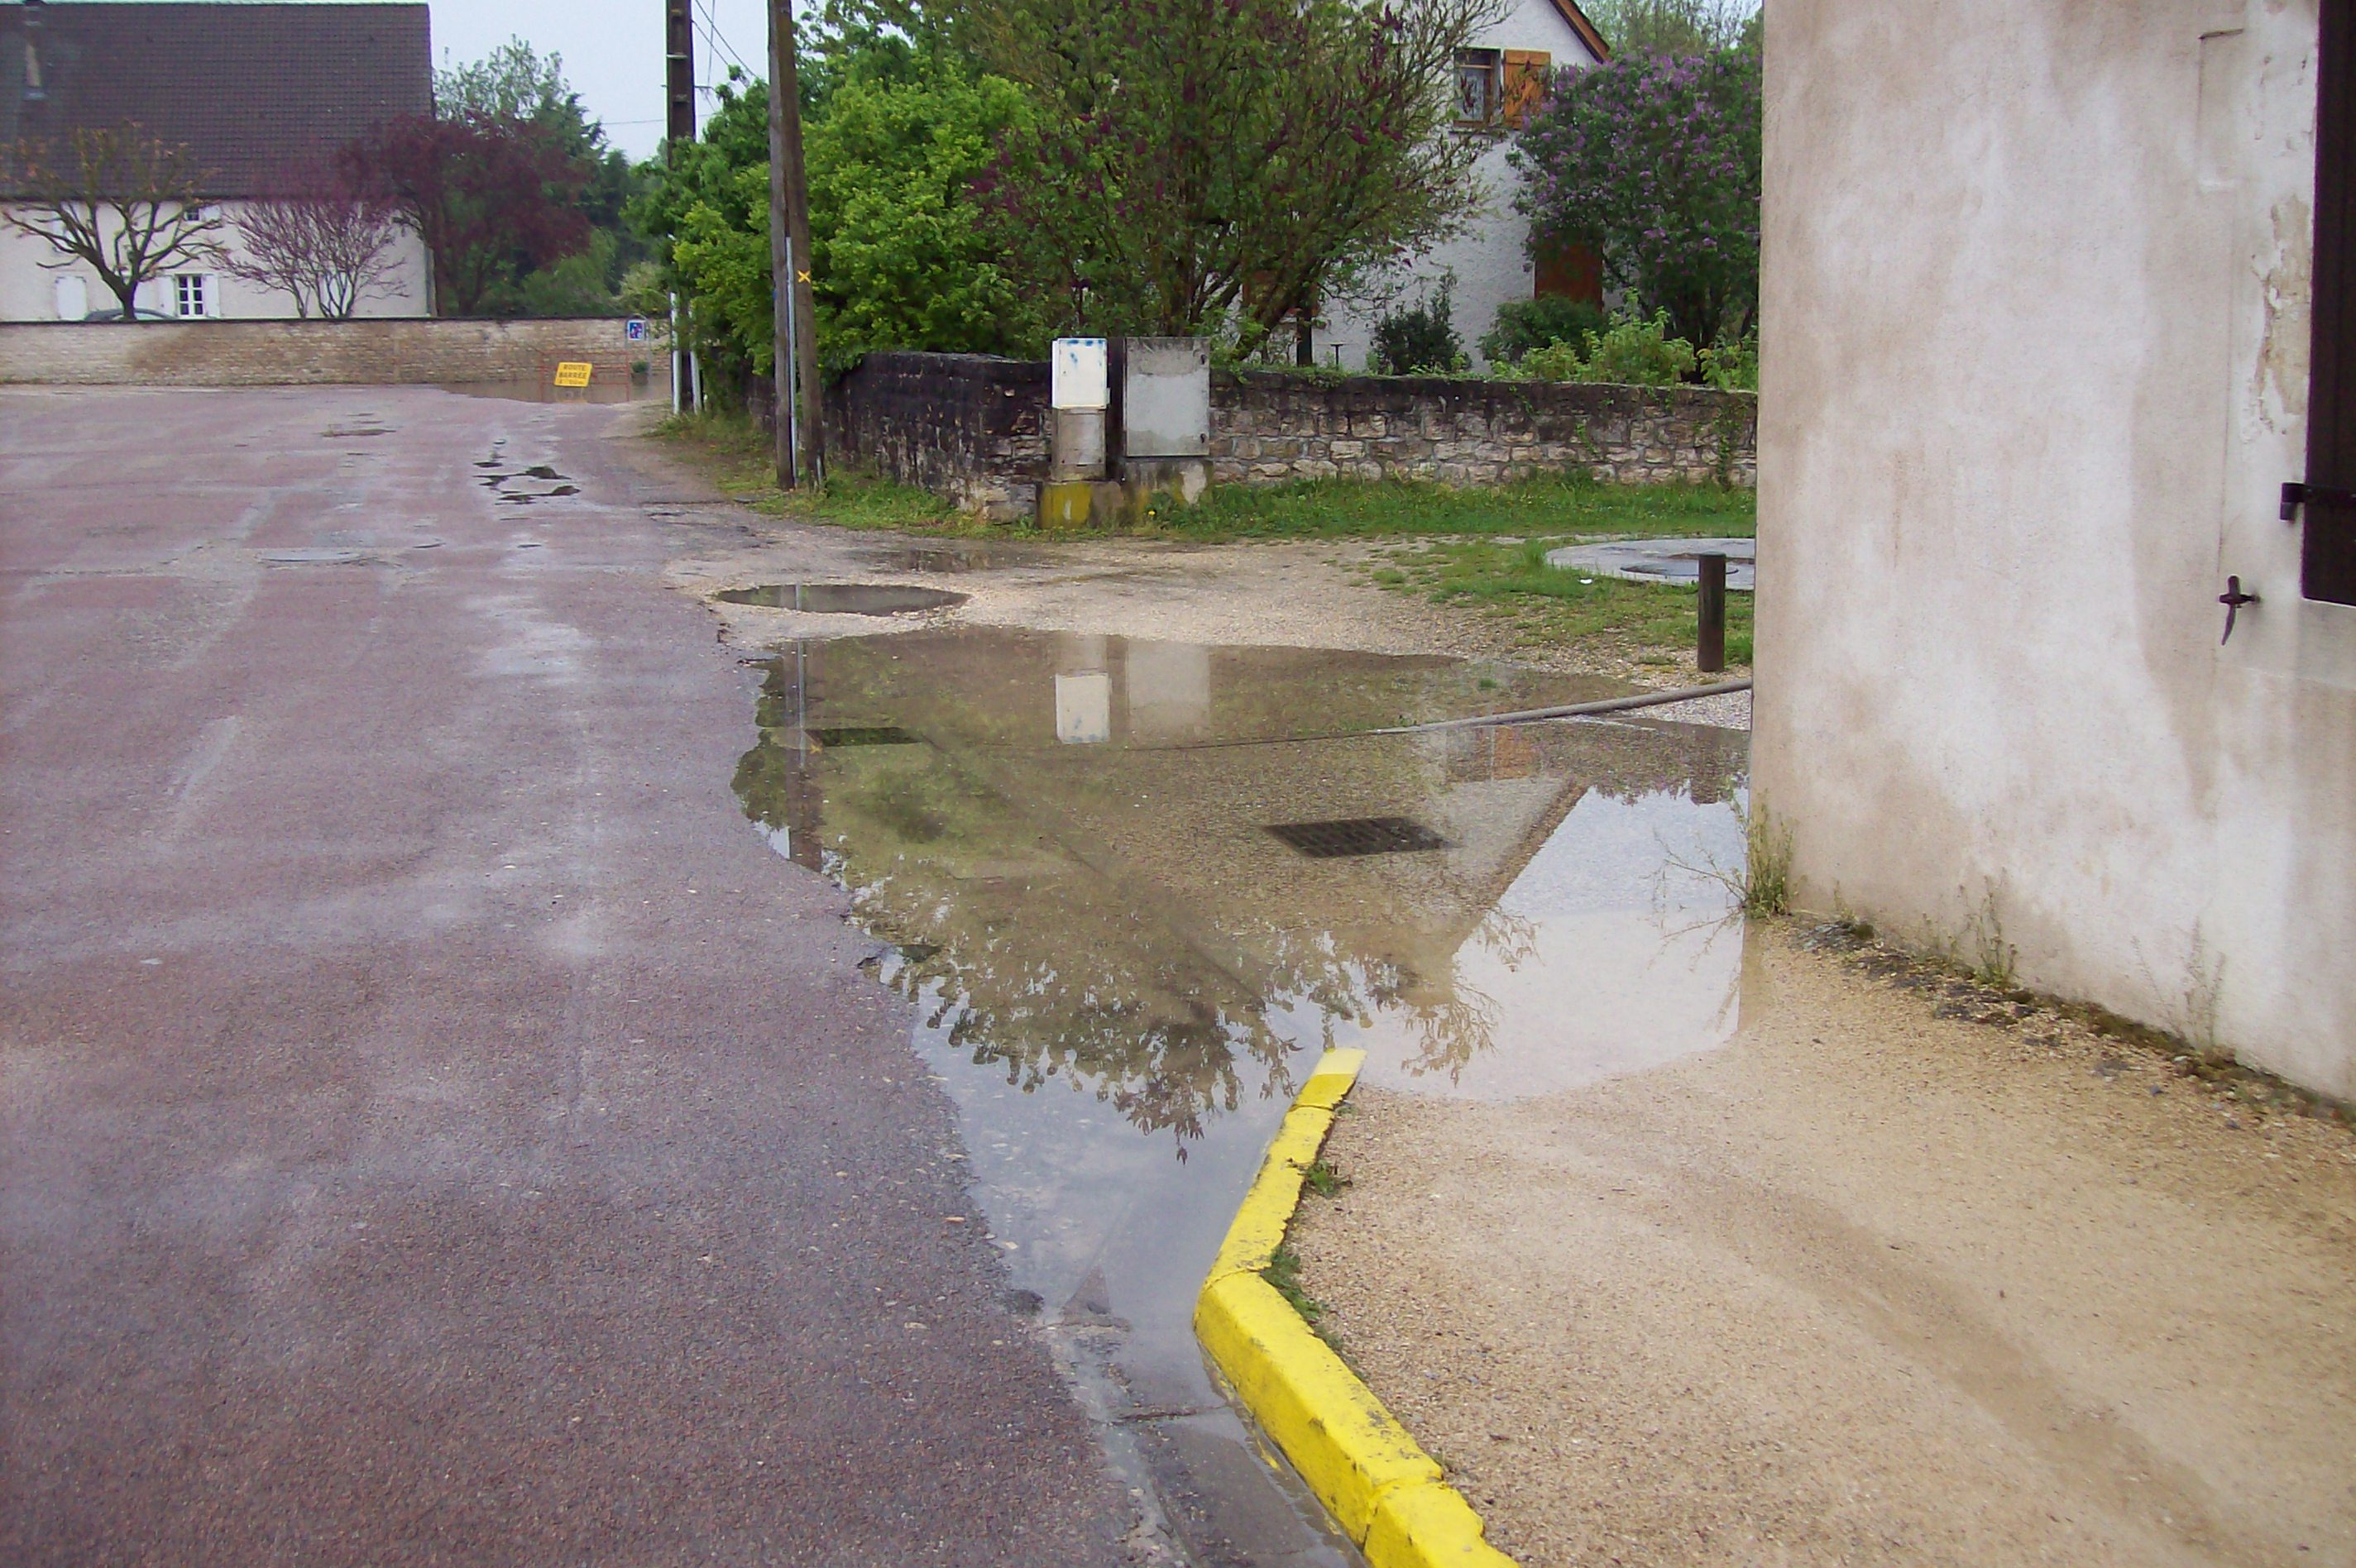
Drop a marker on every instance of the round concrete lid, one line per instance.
(1659, 560)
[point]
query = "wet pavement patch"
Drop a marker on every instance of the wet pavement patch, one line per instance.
(1121, 973)
(313, 557)
(843, 598)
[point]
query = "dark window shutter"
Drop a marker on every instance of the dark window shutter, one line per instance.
(2328, 556)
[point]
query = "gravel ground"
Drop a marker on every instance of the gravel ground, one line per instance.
(1268, 594)
(1872, 1283)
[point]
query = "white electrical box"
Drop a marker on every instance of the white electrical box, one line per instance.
(1080, 375)
(1084, 707)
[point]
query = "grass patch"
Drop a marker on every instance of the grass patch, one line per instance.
(733, 449)
(1321, 1178)
(1650, 621)
(1338, 509)
(1283, 1271)
(730, 447)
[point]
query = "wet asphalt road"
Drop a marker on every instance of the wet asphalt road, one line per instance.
(435, 1127)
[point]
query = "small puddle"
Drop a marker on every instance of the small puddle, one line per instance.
(842, 597)
(497, 477)
(1124, 971)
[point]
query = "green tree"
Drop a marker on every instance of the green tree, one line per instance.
(904, 257)
(705, 211)
(1674, 27)
(1190, 164)
(1653, 162)
(514, 84)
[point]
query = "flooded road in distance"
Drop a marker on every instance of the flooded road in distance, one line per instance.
(1136, 888)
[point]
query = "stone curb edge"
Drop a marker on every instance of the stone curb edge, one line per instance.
(1385, 1492)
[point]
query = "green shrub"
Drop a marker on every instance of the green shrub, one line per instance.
(1525, 324)
(1417, 340)
(1639, 353)
(1635, 353)
(1733, 366)
(1555, 362)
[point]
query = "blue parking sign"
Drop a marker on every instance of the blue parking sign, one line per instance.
(635, 329)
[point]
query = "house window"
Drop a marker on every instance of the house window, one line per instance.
(1479, 86)
(191, 293)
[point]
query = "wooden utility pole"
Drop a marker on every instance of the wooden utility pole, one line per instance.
(679, 76)
(789, 262)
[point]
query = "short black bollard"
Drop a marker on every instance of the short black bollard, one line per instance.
(1709, 653)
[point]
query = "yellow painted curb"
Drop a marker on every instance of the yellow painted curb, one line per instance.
(1385, 1491)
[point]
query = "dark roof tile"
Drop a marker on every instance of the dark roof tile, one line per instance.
(250, 88)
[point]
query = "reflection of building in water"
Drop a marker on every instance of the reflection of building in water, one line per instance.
(1169, 690)
(1118, 915)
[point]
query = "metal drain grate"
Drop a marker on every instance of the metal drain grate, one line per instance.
(1358, 835)
(865, 735)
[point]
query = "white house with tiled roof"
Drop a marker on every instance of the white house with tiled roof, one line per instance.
(253, 90)
(1498, 80)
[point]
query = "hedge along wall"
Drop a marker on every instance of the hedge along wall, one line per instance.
(972, 429)
(302, 352)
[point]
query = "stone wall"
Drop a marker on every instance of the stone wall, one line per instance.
(972, 429)
(296, 353)
(1267, 427)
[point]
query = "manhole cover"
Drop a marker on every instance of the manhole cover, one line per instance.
(842, 597)
(1358, 835)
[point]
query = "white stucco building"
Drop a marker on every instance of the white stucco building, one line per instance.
(1489, 263)
(2048, 326)
(253, 91)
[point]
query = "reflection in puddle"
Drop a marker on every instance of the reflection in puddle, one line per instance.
(842, 597)
(1122, 973)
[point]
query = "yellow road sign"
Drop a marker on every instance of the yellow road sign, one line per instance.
(573, 372)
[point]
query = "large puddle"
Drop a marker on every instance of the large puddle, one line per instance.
(1124, 969)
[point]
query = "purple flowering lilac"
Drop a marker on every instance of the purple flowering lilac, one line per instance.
(1653, 163)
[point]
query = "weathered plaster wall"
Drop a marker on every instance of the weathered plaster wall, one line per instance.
(28, 285)
(2035, 342)
(973, 430)
(294, 353)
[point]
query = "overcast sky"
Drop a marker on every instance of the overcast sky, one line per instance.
(612, 49)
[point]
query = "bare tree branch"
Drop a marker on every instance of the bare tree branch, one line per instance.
(125, 204)
(319, 239)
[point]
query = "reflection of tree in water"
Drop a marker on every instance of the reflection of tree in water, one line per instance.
(1130, 1027)
(1049, 937)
